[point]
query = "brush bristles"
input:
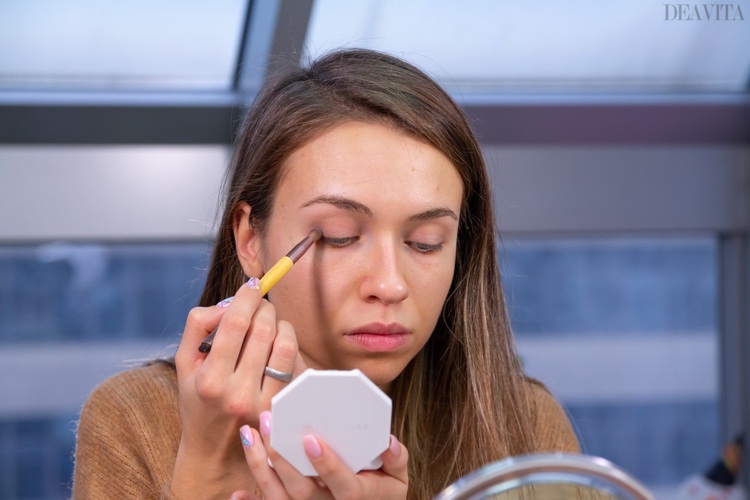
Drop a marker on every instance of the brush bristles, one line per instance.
(305, 244)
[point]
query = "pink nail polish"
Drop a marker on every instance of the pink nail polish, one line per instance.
(395, 446)
(312, 446)
(265, 423)
(246, 436)
(253, 283)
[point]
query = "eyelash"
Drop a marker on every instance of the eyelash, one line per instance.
(425, 247)
(339, 242)
(419, 247)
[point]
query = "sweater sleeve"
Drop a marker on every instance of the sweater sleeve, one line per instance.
(554, 432)
(127, 437)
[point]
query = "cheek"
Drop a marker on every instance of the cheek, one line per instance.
(310, 290)
(432, 284)
(334, 285)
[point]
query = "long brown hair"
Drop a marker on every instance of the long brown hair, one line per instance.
(461, 403)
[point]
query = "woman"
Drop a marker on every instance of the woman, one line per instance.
(403, 285)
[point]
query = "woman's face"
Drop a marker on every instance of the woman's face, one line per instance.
(369, 294)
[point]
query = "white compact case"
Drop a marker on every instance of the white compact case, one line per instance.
(341, 407)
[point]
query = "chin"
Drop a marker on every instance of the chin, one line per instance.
(382, 371)
(382, 376)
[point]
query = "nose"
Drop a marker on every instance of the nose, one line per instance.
(384, 280)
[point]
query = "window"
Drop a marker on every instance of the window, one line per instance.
(484, 46)
(71, 315)
(624, 332)
(138, 45)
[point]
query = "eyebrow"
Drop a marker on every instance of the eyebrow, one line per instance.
(350, 205)
(434, 213)
(346, 204)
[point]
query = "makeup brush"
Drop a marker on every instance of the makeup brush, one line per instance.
(273, 275)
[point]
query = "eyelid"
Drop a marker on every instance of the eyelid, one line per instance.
(338, 242)
(425, 247)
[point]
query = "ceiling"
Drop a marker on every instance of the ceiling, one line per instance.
(548, 72)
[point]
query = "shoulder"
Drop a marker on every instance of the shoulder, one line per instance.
(553, 430)
(147, 386)
(141, 399)
(128, 434)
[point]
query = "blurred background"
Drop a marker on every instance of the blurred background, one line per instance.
(617, 134)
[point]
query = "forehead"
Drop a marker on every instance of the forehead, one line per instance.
(371, 160)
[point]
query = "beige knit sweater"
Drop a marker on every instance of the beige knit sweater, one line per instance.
(129, 432)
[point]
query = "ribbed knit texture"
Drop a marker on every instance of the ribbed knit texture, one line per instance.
(553, 431)
(128, 436)
(129, 432)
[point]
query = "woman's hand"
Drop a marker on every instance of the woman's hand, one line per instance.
(334, 480)
(226, 388)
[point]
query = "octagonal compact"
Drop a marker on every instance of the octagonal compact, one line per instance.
(341, 407)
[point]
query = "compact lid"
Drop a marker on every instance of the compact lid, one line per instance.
(341, 407)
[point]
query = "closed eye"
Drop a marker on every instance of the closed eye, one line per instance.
(338, 242)
(425, 247)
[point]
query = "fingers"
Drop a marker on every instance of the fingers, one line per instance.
(334, 477)
(242, 495)
(249, 364)
(200, 321)
(395, 460)
(331, 470)
(248, 338)
(296, 485)
(235, 325)
(284, 356)
(390, 481)
(257, 460)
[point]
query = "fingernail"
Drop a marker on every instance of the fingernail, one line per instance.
(395, 446)
(253, 283)
(225, 302)
(265, 423)
(312, 446)
(246, 436)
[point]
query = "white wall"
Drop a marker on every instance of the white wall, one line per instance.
(170, 192)
(109, 192)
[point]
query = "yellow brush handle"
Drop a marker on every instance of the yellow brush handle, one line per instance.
(274, 274)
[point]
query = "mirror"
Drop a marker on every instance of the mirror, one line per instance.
(547, 476)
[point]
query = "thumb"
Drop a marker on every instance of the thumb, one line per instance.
(243, 495)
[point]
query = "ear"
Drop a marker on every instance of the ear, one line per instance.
(247, 241)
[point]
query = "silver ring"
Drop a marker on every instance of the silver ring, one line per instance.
(282, 376)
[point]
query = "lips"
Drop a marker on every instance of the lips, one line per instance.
(380, 329)
(379, 337)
